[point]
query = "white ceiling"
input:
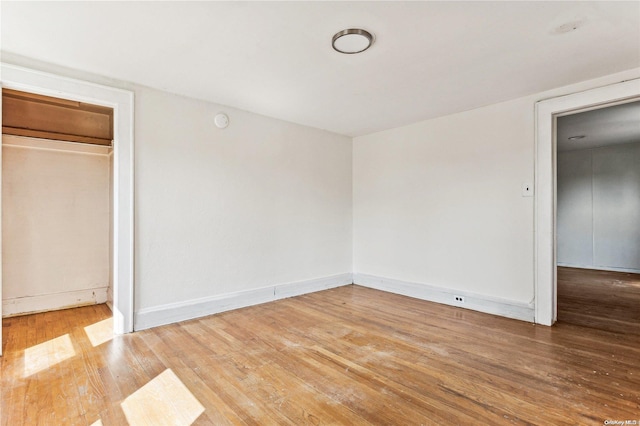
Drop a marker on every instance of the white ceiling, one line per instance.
(275, 58)
(600, 127)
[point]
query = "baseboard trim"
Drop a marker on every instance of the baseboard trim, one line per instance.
(600, 268)
(53, 302)
(196, 308)
(477, 302)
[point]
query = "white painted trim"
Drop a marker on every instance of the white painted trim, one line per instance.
(54, 145)
(477, 302)
(19, 78)
(600, 268)
(282, 291)
(545, 259)
(52, 302)
(196, 308)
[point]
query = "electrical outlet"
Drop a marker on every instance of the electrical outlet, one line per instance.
(459, 299)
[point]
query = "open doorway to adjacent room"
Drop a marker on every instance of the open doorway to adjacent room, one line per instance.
(598, 218)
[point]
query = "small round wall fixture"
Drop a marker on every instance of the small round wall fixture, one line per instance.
(353, 40)
(221, 120)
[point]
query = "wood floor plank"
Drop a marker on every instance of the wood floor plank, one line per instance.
(348, 355)
(64, 393)
(87, 365)
(226, 398)
(12, 362)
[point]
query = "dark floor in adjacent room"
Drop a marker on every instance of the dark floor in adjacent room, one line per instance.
(602, 300)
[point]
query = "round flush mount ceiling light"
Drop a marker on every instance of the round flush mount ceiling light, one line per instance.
(576, 138)
(353, 40)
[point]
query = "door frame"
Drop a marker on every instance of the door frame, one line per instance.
(545, 252)
(28, 80)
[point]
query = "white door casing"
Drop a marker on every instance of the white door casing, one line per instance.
(545, 183)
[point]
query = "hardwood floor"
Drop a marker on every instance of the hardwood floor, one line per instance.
(348, 356)
(602, 300)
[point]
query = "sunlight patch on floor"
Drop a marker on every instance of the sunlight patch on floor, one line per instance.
(165, 400)
(100, 332)
(97, 423)
(47, 354)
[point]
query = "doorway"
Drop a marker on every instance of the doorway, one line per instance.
(57, 187)
(545, 252)
(598, 218)
(121, 101)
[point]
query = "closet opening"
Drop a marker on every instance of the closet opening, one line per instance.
(57, 214)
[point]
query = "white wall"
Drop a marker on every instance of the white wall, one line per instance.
(574, 226)
(439, 202)
(599, 208)
(260, 203)
(56, 224)
(438, 206)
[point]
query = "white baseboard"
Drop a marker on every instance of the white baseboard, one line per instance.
(477, 302)
(600, 268)
(52, 302)
(196, 308)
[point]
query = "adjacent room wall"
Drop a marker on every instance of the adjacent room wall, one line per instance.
(56, 224)
(439, 210)
(599, 208)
